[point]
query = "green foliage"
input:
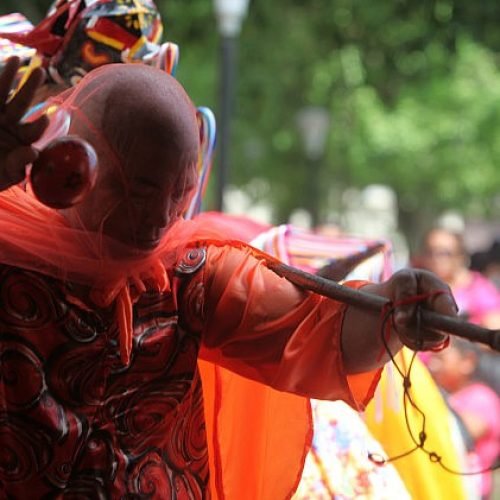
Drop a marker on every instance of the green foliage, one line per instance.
(412, 88)
(439, 138)
(33, 10)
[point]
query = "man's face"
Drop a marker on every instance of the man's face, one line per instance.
(136, 203)
(143, 127)
(443, 255)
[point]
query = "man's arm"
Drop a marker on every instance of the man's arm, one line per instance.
(264, 328)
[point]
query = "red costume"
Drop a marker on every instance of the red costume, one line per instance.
(76, 418)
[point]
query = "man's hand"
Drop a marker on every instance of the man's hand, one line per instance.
(16, 137)
(402, 289)
(361, 332)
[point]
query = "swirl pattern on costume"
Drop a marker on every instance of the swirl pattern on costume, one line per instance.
(26, 448)
(75, 375)
(154, 479)
(27, 300)
(149, 413)
(187, 443)
(75, 422)
(84, 327)
(21, 374)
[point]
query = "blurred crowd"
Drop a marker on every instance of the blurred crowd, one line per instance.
(469, 375)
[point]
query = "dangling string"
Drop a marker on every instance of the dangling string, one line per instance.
(387, 312)
(125, 293)
(124, 316)
(121, 294)
(385, 333)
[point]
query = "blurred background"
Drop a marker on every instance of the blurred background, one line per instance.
(377, 119)
(406, 93)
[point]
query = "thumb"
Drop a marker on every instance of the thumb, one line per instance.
(405, 287)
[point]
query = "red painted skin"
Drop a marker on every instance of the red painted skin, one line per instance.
(64, 172)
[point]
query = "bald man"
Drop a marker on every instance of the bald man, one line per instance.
(107, 306)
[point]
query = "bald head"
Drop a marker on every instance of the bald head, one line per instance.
(137, 110)
(144, 128)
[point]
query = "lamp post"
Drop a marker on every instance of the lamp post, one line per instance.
(313, 123)
(229, 14)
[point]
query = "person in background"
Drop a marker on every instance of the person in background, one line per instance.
(478, 298)
(475, 403)
(443, 252)
(488, 262)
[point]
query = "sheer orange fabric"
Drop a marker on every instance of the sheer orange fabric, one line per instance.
(258, 437)
(261, 326)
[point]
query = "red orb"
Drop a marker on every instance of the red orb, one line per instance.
(64, 172)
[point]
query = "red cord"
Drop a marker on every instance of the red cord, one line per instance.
(390, 307)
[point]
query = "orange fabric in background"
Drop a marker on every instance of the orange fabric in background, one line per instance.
(235, 227)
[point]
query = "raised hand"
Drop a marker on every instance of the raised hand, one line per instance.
(16, 137)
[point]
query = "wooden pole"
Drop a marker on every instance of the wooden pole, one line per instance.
(331, 289)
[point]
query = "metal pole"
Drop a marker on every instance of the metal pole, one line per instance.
(314, 191)
(226, 90)
(313, 123)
